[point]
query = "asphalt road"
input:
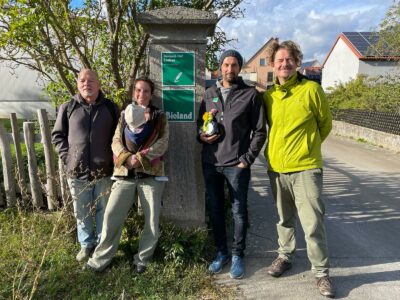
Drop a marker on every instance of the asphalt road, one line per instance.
(362, 196)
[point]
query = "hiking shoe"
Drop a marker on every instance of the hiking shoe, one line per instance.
(84, 254)
(218, 263)
(278, 267)
(140, 269)
(237, 268)
(325, 287)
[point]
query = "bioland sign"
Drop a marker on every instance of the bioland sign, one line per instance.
(179, 105)
(178, 81)
(177, 68)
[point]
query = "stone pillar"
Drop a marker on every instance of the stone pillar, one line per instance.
(177, 49)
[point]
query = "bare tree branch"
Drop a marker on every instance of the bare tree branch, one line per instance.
(135, 67)
(114, 40)
(208, 4)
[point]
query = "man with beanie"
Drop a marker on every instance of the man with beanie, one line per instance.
(228, 155)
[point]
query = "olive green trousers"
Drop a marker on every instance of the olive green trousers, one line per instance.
(122, 197)
(299, 193)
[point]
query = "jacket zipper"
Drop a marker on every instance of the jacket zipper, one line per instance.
(90, 140)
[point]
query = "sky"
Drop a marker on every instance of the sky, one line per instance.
(313, 24)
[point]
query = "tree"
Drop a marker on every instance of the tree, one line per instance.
(389, 32)
(56, 40)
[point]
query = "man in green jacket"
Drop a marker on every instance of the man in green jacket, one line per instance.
(299, 121)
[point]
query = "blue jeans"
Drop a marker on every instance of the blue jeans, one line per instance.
(89, 200)
(238, 184)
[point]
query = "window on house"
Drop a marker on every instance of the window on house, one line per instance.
(270, 77)
(262, 61)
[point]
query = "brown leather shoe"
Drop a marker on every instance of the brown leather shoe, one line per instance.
(278, 267)
(325, 287)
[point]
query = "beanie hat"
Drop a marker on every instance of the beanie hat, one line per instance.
(134, 116)
(233, 53)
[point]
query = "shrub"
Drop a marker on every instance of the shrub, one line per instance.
(367, 93)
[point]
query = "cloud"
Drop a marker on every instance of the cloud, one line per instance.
(313, 24)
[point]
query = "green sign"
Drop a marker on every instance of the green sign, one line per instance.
(179, 105)
(177, 68)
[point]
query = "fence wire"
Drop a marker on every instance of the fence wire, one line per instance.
(382, 121)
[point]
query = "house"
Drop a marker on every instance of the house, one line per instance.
(309, 64)
(312, 69)
(354, 53)
(257, 70)
(21, 93)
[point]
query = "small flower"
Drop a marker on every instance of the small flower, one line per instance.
(206, 116)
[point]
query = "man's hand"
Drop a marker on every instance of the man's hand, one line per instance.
(132, 162)
(242, 165)
(209, 139)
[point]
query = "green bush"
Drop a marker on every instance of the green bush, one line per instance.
(367, 93)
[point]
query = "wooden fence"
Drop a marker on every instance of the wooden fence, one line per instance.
(32, 191)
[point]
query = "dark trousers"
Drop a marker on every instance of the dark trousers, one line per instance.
(238, 184)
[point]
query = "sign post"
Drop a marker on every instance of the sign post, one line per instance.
(177, 51)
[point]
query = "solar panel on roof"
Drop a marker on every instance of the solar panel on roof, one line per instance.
(365, 42)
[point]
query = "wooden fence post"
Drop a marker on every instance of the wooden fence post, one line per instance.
(18, 154)
(2, 203)
(9, 184)
(49, 158)
(36, 190)
(65, 195)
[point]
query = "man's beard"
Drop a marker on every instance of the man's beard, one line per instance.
(232, 78)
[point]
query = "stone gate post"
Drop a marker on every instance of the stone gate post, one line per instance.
(177, 49)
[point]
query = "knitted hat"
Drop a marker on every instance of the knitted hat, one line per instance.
(134, 116)
(233, 53)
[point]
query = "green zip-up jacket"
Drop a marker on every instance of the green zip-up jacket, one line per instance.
(299, 120)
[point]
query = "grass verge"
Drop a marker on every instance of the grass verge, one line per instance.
(37, 261)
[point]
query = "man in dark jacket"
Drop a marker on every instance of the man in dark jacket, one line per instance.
(228, 155)
(82, 136)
